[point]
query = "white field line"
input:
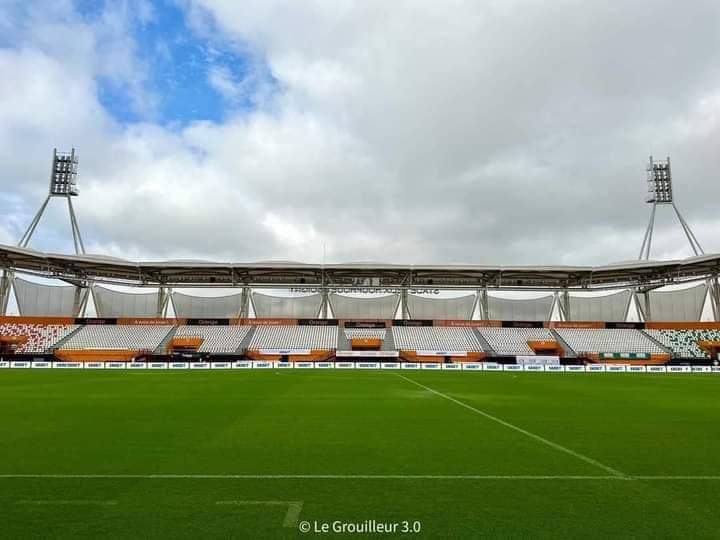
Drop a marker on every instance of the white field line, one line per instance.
(68, 502)
(291, 517)
(470, 477)
(525, 432)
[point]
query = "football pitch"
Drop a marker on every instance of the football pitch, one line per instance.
(265, 453)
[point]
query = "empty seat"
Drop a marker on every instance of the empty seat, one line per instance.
(294, 337)
(435, 338)
(611, 340)
(118, 337)
(216, 339)
(514, 340)
(684, 343)
(41, 337)
(365, 333)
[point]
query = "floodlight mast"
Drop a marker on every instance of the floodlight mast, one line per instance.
(660, 193)
(63, 183)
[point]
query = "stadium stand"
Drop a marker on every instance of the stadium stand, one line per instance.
(611, 340)
(206, 307)
(421, 307)
(684, 343)
(514, 341)
(435, 338)
(109, 303)
(118, 337)
(216, 339)
(294, 307)
(677, 306)
(346, 307)
(38, 300)
(512, 309)
(294, 337)
(608, 308)
(40, 337)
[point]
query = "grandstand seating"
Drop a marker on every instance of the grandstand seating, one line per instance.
(41, 337)
(294, 337)
(365, 333)
(615, 340)
(684, 343)
(514, 340)
(435, 338)
(216, 339)
(118, 337)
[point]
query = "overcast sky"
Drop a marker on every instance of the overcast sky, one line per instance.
(487, 132)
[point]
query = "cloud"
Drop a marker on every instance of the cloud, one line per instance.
(411, 131)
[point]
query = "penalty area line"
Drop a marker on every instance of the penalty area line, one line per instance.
(525, 432)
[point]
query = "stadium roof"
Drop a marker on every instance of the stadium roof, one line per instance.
(79, 268)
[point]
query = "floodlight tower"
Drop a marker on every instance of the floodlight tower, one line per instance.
(63, 183)
(660, 193)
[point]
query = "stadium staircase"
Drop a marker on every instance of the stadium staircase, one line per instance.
(242, 349)
(343, 343)
(388, 343)
(60, 343)
(659, 344)
(483, 342)
(569, 352)
(163, 347)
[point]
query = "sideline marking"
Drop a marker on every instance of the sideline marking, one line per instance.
(291, 517)
(613, 477)
(525, 432)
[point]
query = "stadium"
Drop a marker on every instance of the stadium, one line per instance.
(352, 399)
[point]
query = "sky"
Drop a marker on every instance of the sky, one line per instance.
(480, 132)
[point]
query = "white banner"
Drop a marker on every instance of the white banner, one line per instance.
(4, 364)
(679, 369)
(367, 354)
(242, 365)
(390, 365)
(637, 369)
(18, 364)
(345, 365)
(68, 365)
(94, 365)
(220, 365)
(178, 365)
(137, 365)
(489, 366)
(656, 369)
(324, 365)
(537, 359)
(199, 365)
(304, 365)
(512, 367)
(441, 353)
(115, 365)
(575, 369)
(367, 365)
(715, 369)
(452, 367)
(157, 365)
(283, 365)
(410, 365)
(431, 365)
(554, 367)
(262, 365)
(595, 367)
(616, 368)
(285, 352)
(701, 369)
(42, 365)
(472, 367)
(534, 367)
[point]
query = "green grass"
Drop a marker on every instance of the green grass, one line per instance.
(358, 423)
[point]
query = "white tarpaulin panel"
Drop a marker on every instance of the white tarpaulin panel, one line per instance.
(512, 309)
(683, 305)
(206, 307)
(346, 307)
(37, 300)
(611, 307)
(109, 303)
(295, 307)
(421, 307)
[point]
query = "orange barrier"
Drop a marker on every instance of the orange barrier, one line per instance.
(185, 343)
(548, 347)
(366, 344)
(314, 356)
(13, 340)
(710, 347)
(412, 356)
(36, 320)
(575, 324)
(96, 355)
